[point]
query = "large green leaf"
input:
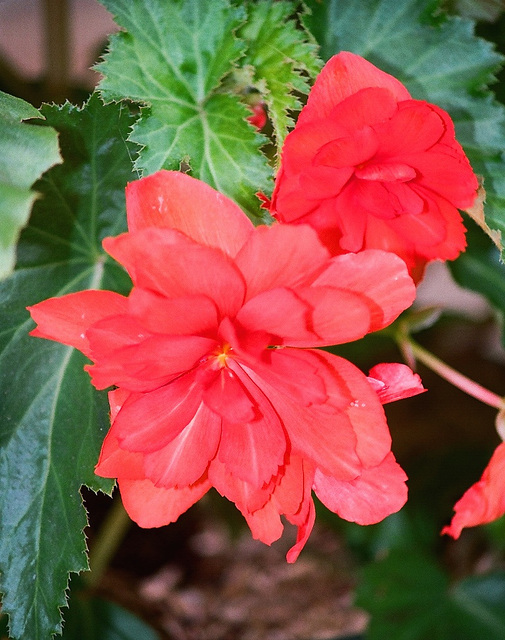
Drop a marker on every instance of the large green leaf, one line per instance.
(409, 598)
(26, 151)
(283, 58)
(172, 58)
(444, 63)
(52, 421)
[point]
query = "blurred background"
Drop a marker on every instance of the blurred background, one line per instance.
(48, 46)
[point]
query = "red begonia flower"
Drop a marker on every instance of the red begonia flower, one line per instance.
(215, 385)
(485, 500)
(368, 167)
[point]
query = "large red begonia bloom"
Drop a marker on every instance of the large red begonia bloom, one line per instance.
(369, 167)
(484, 501)
(215, 383)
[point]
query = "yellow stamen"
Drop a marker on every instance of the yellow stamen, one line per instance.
(222, 355)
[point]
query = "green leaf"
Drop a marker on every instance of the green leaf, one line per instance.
(444, 63)
(283, 56)
(96, 619)
(52, 420)
(26, 151)
(172, 58)
(409, 598)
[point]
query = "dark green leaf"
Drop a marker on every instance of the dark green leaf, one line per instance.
(409, 598)
(172, 58)
(95, 619)
(26, 151)
(52, 421)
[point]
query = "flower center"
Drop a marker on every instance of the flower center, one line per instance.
(221, 356)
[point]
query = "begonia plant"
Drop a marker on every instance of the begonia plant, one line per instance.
(251, 195)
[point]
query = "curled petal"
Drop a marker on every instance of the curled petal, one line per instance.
(290, 497)
(303, 142)
(67, 319)
(415, 127)
(485, 500)
(114, 461)
(287, 206)
(254, 450)
(439, 231)
(386, 172)
(265, 523)
(349, 151)
(446, 171)
(317, 182)
(329, 325)
(227, 397)
(386, 296)
(363, 409)
(151, 506)
(369, 106)
(304, 531)
(394, 381)
(294, 373)
(293, 488)
(377, 493)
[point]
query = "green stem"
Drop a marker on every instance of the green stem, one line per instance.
(451, 375)
(107, 541)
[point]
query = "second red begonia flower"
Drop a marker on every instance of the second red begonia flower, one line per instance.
(369, 167)
(215, 383)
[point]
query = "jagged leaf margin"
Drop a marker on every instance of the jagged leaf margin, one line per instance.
(283, 56)
(172, 58)
(52, 420)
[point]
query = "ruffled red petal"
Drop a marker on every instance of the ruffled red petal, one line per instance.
(149, 421)
(67, 319)
(169, 199)
(151, 506)
(377, 493)
(185, 459)
(394, 381)
(280, 256)
(358, 273)
(342, 76)
(168, 263)
(485, 500)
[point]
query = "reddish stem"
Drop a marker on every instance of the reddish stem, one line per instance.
(454, 377)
